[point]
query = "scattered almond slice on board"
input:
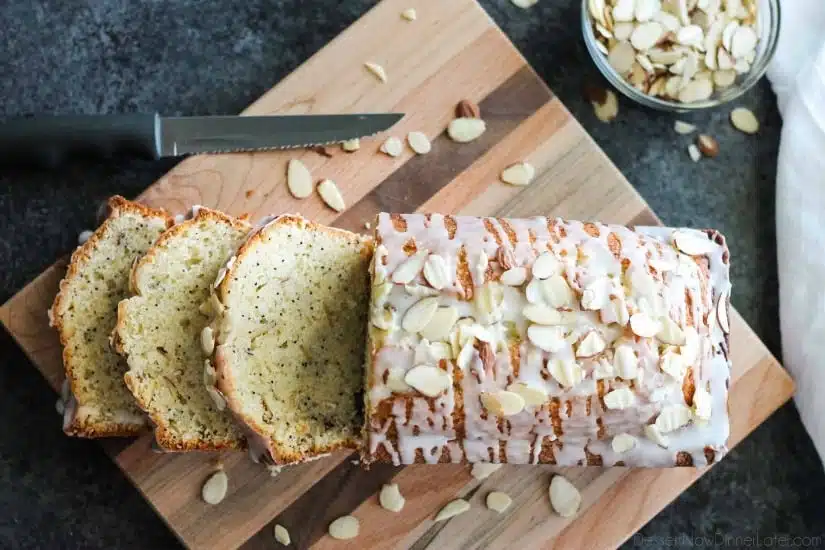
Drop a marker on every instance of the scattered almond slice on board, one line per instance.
(392, 146)
(215, 488)
(331, 195)
(282, 535)
(419, 142)
(452, 509)
(498, 501)
(519, 174)
(409, 14)
(464, 130)
(564, 497)
(344, 528)
(298, 179)
(377, 70)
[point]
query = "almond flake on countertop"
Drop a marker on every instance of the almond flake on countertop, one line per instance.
(564, 497)
(409, 14)
(419, 142)
(392, 146)
(519, 174)
(298, 179)
(464, 130)
(351, 145)
(331, 195)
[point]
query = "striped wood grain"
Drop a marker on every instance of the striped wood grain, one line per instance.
(452, 52)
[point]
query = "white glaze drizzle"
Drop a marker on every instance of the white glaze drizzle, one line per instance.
(657, 278)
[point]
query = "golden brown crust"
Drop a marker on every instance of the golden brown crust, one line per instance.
(225, 382)
(163, 436)
(117, 207)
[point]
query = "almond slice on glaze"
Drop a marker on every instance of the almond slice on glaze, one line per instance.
(419, 314)
(722, 312)
(515, 276)
(298, 179)
(643, 325)
(625, 362)
(547, 338)
(564, 497)
(502, 403)
(543, 315)
(545, 265)
(621, 398)
(672, 417)
(566, 373)
(556, 291)
(440, 325)
(533, 397)
(409, 269)
(428, 380)
(591, 345)
(331, 195)
(653, 434)
(671, 333)
(693, 243)
(622, 443)
(436, 272)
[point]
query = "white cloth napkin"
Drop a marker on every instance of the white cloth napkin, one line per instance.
(797, 74)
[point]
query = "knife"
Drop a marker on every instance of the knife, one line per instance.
(49, 140)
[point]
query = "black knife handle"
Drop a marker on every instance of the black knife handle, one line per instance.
(47, 141)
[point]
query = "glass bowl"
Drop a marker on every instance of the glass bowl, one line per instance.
(767, 29)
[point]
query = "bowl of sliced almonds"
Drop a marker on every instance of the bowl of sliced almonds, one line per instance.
(681, 55)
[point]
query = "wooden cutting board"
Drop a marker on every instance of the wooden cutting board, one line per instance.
(453, 51)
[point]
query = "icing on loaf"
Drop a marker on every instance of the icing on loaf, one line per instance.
(546, 341)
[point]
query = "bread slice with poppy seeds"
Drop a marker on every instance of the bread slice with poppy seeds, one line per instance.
(84, 313)
(291, 336)
(163, 330)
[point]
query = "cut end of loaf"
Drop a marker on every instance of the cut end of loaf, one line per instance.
(292, 334)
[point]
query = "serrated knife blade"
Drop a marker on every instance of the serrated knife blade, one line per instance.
(50, 140)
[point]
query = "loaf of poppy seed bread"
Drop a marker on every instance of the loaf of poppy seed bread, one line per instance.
(546, 341)
(163, 330)
(97, 402)
(291, 335)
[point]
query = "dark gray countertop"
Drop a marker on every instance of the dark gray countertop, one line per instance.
(203, 57)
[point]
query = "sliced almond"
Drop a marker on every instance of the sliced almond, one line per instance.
(519, 174)
(533, 396)
(331, 195)
(622, 31)
(557, 293)
(545, 265)
(693, 243)
(673, 364)
(428, 380)
(533, 292)
(419, 142)
(282, 535)
(207, 340)
(440, 325)
(298, 179)
(498, 501)
(625, 362)
(672, 417)
(724, 79)
(514, 277)
(646, 9)
(502, 403)
(547, 338)
(621, 57)
(464, 130)
(702, 403)
(694, 153)
(643, 325)
(744, 120)
(409, 14)
(622, 443)
(724, 61)
(592, 344)
(453, 508)
(608, 110)
(395, 380)
(392, 146)
(351, 145)
(646, 35)
(377, 70)
(690, 35)
(419, 314)
(524, 4)
(653, 434)
(390, 498)
(409, 269)
(543, 315)
(707, 145)
(596, 294)
(621, 398)
(564, 497)
(344, 528)
(669, 21)
(436, 272)
(623, 10)
(482, 470)
(670, 332)
(566, 373)
(727, 34)
(696, 90)
(683, 128)
(215, 488)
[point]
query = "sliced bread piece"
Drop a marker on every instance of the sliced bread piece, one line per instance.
(84, 313)
(291, 338)
(163, 332)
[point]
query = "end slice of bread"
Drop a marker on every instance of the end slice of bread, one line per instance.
(160, 330)
(291, 338)
(84, 313)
